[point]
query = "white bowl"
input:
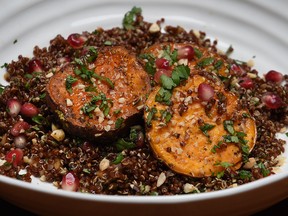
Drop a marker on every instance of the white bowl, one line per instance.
(254, 28)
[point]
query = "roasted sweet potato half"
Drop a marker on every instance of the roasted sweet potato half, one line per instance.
(193, 123)
(100, 94)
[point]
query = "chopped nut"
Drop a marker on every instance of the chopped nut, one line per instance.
(154, 28)
(58, 134)
(49, 75)
(121, 100)
(161, 179)
(251, 162)
(69, 102)
(188, 188)
(104, 164)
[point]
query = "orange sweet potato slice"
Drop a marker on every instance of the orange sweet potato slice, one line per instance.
(195, 138)
(99, 99)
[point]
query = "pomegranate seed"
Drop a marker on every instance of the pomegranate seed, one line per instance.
(271, 100)
(13, 107)
(19, 127)
(274, 76)
(205, 92)
(185, 52)
(162, 63)
(76, 40)
(238, 70)
(15, 157)
(161, 72)
(35, 66)
(70, 182)
(29, 110)
(20, 141)
(246, 82)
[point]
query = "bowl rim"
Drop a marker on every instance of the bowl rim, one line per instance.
(161, 199)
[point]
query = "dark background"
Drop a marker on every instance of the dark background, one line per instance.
(10, 209)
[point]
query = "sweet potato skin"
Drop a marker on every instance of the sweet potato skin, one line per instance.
(181, 143)
(123, 102)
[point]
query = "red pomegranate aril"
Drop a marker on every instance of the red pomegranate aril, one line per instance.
(272, 101)
(20, 141)
(19, 127)
(70, 182)
(161, 72)
(162, 63)
(238, 70)
(76, 40)
(29, 110)
(205, 92)
(13, 107)
(35, 66)
(14, 157)
(274, 76)
(185, 52)
(246, 82)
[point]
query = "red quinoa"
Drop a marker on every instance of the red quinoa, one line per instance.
(138, 171)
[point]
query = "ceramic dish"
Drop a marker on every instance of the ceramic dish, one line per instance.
(257, 30)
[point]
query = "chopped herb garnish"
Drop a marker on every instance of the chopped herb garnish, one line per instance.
(151, 115)
(150, 67)
(119, 122)
(198, 53)
(166, 115)
(69, 82)
(1, 89)
(129, 18)
(91, 106)
(180, 72)
(105, 79)
(245, 174)
(5, 65)
(265, 172)
(118, 158)
(86, 171)
(170, 56)
(163, 96)
(39, 119)
(205, 62)
(218, 64)
(205, 128)
(167, 82)
(224, 164)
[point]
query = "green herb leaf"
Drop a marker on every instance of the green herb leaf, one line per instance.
(167, 82)
(69, 82)
(205, 62)
(129, 17)
(265, 172)
(151, 115)
(205, 128)
(119, 122)
(198, 53)
(163, 96)
(122, 144)
(245, 174)
(119, 158)
(229, 126)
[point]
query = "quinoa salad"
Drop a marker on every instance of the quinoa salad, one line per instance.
(36, 141)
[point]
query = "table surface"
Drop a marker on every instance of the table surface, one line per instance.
(13, 210)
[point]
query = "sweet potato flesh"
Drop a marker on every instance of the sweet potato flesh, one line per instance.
(102, 104)
(199, 139)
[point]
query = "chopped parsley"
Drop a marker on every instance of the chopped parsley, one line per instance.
(205, 128)
(119, 122)
(265, 172)
(118, 158)
(70, 80)
(150, 116)
(205, 62)
(127, 142)
(245, 174)
(129, 18)
(150, 67)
